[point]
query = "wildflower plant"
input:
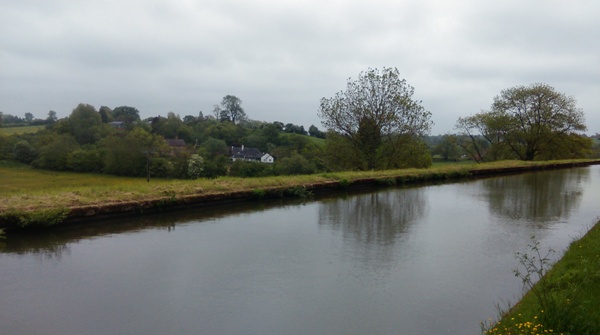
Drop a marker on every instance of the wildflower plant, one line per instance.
(532, 272)
(555, 302)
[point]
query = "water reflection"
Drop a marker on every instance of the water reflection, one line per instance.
(375, 218)
(536, 197)
(421, 260)
(55, 241)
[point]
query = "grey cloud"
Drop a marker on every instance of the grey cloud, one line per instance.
(281, 57)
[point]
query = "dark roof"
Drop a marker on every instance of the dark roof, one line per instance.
(175, 142)
(246, 153)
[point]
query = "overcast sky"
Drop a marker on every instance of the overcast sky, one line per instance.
(281, 57)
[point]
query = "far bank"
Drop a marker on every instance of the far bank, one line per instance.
(38, 198)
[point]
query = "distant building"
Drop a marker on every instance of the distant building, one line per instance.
(175, 144)
(250, 154)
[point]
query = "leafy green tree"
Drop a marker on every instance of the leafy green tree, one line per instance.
(535, 116)
(215, 167)
(232, 109)
(51, 117)
(227, 131)
(527, 123)
(133, 154)
(167, 127)
(256, 140)
(294, 129)
(315, 132)
(272, 132)
(293, 165)
(126, 114)
(106, 114)
(372, 117)
(28, 117)
(414, 153)
(85, 124)
(85, 160)
(213, 147)
(447, 148)
(567, 146)
(55, 154)
(24, 152)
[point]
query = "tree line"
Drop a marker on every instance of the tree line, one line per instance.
(375, 123)
(117, 141)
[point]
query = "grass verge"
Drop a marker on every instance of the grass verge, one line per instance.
(26, 192)
(565, 300)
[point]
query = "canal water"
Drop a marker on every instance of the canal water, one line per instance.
(421, 260)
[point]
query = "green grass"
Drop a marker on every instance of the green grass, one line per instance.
(21, 130)
(23, 188)
(570, 292)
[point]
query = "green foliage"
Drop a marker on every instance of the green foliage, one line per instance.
(167, 127)
(526, 122)
(315, 132)
(563, 299)
(36, 218)
(299, 191)
(85, 124)
(408, 152)
(126, 114)
(24, 152)
(371, 120)
(85, 160)
(54, 155)
(215, 167)
(259, 193)
(344, 182)
(232, 109)
(447, 148)
(106, 114)
(246, 169)
(226, 131)
(296, 164)
(533, 269)
(213, 147)
(130, 155)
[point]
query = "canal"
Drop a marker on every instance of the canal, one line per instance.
(402, 260)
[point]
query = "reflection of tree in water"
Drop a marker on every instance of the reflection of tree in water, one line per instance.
(537, 197)
(376, 218)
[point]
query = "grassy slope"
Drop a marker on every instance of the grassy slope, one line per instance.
(20, 130)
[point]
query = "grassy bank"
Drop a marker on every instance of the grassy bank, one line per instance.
(566, 299)
(29, 195)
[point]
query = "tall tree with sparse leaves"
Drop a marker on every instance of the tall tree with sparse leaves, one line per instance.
(374, 117)
(232, 109)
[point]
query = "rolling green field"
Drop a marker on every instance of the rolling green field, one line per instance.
(20, 130)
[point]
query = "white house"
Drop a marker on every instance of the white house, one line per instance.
(250, 154)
